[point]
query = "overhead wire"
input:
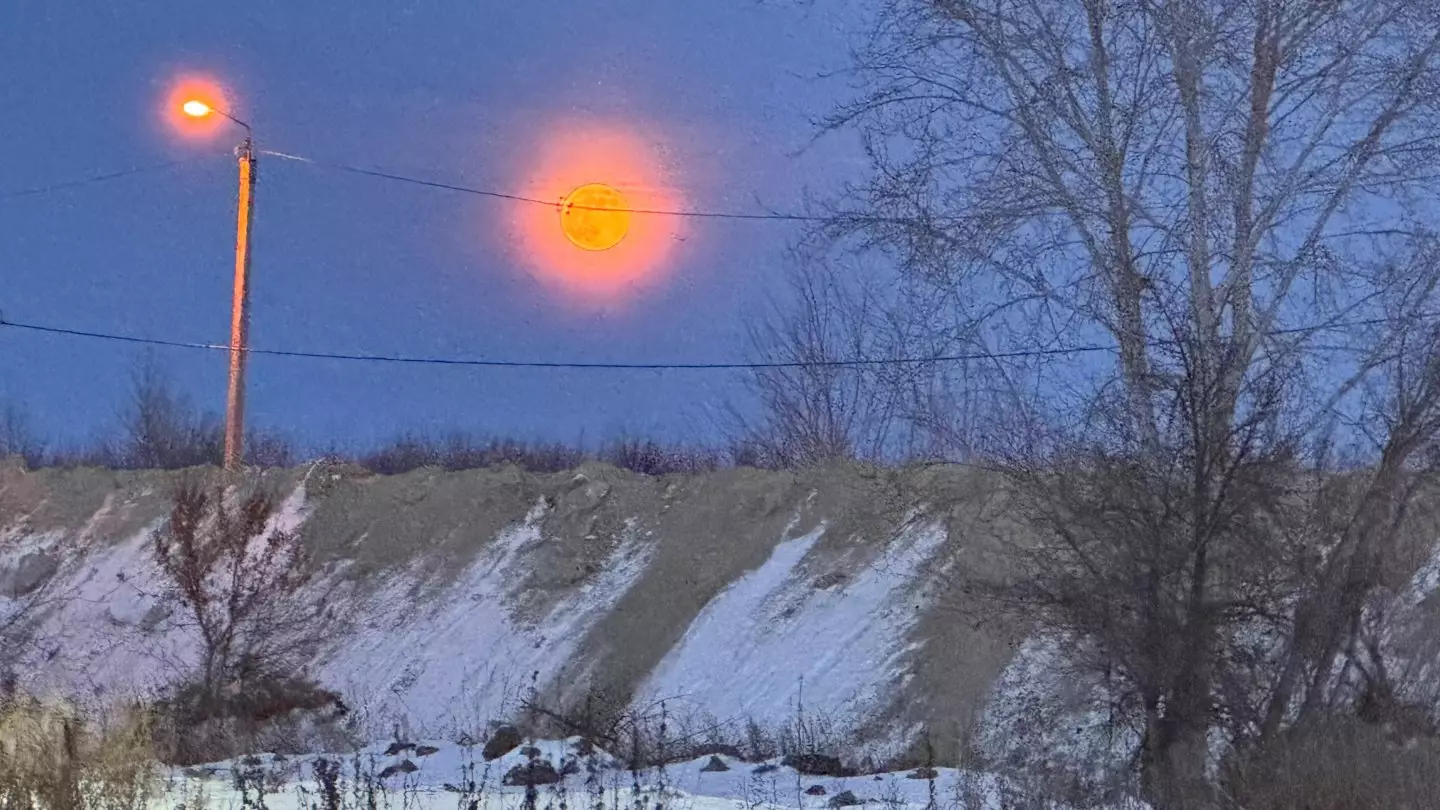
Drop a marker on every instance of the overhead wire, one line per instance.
(457, 361)
(491, 193)
(475, 362)
(503, 195)
(679, 366)
(97, 178)
(777, 216)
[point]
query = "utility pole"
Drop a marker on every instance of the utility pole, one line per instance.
(240, 299)
(240, 312)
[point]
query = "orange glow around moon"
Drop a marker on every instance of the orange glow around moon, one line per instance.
(596, 256)
(205, 91)
(594, 217)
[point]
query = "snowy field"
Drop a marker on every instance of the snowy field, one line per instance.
(453, 776)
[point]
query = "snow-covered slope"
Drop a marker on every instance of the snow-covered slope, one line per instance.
(777, 642)
(733, 597)
(816, 603)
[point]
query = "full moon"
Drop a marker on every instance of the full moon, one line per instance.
(594, 217)
(602, 238)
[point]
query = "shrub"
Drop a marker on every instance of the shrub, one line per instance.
(411, 452)
(283, 715)
(459, 452)
(1338, 764)
(648, 457)
(237, 578)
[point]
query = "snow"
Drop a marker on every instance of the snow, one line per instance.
(773, 639)
(454, 661)
(431, 658)
(100, 645)
(112, 638)
(442, 776)
(1046, 717)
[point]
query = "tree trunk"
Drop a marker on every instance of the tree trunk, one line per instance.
(1175, 774)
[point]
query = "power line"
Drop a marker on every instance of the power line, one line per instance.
(453, 361)
(501, 195)
(404, 359)
(481, 192)
(98, 178)
(460, 361)
(400, 178)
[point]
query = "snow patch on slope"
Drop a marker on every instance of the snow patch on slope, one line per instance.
(112, 631)
(451, 662)
(1045, 716)
(771, 634)
(108, 634)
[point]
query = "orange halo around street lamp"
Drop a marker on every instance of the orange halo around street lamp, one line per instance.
(594, 217)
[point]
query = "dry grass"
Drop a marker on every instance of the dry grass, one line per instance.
(53, 760)
(667, 732)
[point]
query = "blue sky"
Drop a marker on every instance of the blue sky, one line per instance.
(455, 91)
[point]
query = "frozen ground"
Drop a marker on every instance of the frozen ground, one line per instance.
(454, 776)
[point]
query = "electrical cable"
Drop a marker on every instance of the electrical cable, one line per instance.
(408, 359)
(718, 366)
(453, 361)
(501, 195)
(99, 178)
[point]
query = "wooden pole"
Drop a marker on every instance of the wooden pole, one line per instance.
(240, 314)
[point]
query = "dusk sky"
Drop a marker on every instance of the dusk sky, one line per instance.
(713, 97)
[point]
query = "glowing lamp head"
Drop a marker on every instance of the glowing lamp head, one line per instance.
(196, 108)
(594, 217)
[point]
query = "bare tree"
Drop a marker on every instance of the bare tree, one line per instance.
(237, 579)
(235, 576)
(1233, 195)
(16, 437)
(163, 430)
(811, 407)
(827, 388)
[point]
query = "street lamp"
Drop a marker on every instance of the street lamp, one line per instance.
(240, 300)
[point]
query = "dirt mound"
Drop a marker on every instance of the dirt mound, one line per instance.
(457, 595)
